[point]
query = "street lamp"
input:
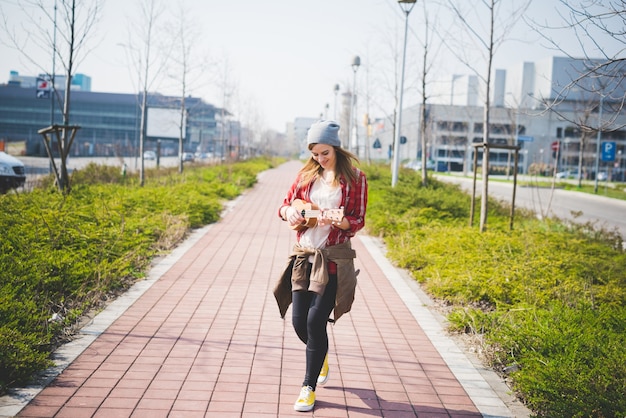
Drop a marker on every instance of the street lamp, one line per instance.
(336, 90)
(135, 55)
(356, 62)
(406, 6)
(599, 138)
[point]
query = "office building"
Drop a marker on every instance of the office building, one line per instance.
(534, 105)
(110, 122)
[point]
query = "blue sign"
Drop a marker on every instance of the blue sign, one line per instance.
(524, 138)
(608, 150)
(43, 88)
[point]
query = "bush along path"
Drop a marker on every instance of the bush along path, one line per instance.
(546, 302)
(61, 256)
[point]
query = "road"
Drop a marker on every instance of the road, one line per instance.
(571, 205)
(40, 165)
(37, 166)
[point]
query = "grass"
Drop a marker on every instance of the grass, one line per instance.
(62, 256)
(547, 300)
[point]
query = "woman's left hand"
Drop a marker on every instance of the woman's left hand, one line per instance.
(327, 221)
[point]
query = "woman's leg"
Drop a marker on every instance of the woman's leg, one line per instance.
(301, 302)
(310, 317)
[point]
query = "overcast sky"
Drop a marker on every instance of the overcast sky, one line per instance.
(282, 57)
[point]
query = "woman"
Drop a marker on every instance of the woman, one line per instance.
(320, 275)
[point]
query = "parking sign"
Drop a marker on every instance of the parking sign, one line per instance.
(608, 150)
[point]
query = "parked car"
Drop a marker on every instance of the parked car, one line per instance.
(203, 155)
(12, 172)
(416, 165)
(567, 174)
(149, 155)
(188, 156)
(602, 176)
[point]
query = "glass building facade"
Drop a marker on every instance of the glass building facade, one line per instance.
(109, 122)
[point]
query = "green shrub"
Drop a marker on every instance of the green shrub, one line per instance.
(62, 255)
(548, 297)
(21, 355)
(572, 359)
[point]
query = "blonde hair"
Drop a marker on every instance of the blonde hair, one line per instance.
(343, 167)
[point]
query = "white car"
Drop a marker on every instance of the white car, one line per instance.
(12, 172)
(149, 155)
(430, 165)
(567, 174)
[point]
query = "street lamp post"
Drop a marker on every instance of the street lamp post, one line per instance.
(136, 54)
(406, 6)
(336, 90)
(595, 186)
(356, 62)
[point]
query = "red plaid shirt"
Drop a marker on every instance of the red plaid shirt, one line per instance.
(353, 201)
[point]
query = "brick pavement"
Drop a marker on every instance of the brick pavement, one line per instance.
(203, 338)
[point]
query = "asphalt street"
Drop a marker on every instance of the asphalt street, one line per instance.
(546, 202)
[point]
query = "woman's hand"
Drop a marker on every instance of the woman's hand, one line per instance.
(332, 222)
(293, 216)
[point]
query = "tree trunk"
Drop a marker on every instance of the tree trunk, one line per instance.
(485, 190)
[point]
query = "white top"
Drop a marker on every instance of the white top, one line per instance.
(325, 196)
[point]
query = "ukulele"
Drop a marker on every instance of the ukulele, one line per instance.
(311, 213)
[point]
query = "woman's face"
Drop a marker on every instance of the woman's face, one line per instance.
(325, 155)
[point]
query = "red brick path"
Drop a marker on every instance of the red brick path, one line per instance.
(206, 340)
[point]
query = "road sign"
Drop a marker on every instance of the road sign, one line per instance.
(377, 144)
(43, 88)
(555, 146)
(608, 150)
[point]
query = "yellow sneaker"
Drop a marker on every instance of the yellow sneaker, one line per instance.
(306, 400)
(324, 373)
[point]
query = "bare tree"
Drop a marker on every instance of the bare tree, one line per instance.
(384, 76)
(428, 45)
(252, 121)
(598, 67)
(66, 31)
(598, 26)
(185, 70)
(227, 89)
(486, 41)
(141, 45)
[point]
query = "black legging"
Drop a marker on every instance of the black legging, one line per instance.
(309, 317)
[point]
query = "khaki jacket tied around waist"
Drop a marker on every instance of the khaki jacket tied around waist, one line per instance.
(294, 277)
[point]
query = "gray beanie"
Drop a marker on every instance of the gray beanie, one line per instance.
(324, 132)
